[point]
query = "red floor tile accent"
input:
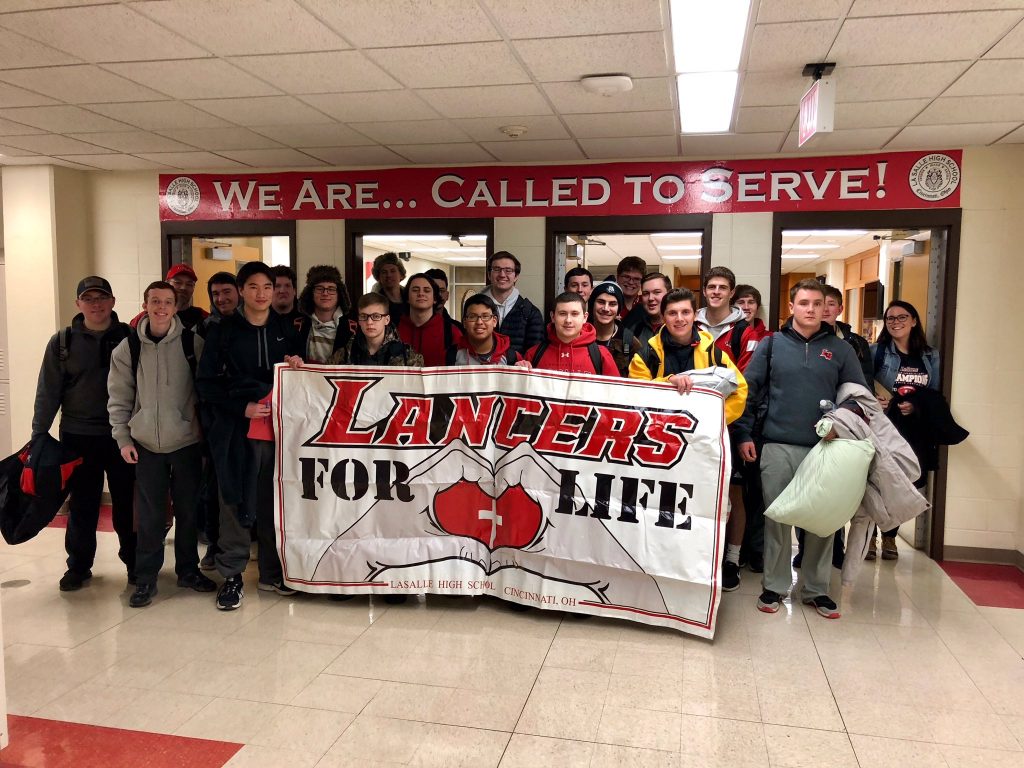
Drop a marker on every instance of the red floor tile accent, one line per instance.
(989, 585)
(106, 525)
(38, 743)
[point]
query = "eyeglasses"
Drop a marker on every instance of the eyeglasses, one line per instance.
(326, 290)
(484, 318)
(629, 279)
(95, 299)
(897, 318)
(503, 270)
(375, 317)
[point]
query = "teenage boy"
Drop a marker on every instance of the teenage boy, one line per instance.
(389, 272)
(324, 305)
(726, 324)
(223, 298)
(748, 299)
(571, 346)
(645, 319)
(603, 307)
(861, 347)
(481, 344)
(801, 366)
(153, 417)
(284, 302)
(441, 280)
(424, 327)
(73, 379)
(183, 278)
(518, 318)
(375, 342)
(579, 280)
(629, 274)
(235, 378)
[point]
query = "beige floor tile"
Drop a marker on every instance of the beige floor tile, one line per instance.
(1015, 724)
(481, 709)
(977, 757)
(718, 741)
(633, 691)
(895, 753)
(447, 746)
(89, 703)
(561, 717)
(338, 693)
(158, 711)
(877, 717)
(340, 761)
(381, 738)
(805, 748)
(657, 664)
(570, 682)
(406, 701)
(303, 730)
(230, 720)
(785, 706)
(611, 756)
(586, 655)
(969, 729)
(639, 728)
(525, 751)
(251, 756)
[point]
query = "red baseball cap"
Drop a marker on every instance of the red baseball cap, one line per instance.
(182, 269)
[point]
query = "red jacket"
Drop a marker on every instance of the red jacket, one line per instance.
(751, 335)
(461, 353)
(431, 339)
(573, 357)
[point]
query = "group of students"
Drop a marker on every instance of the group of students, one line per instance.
(178, 406)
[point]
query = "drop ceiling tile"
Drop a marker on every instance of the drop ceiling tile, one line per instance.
(237, 27)
(565, 18)
(649, 146)
(887, 8)
(972, 109)
(727, 145)
(102, 33)
(800, 10)
(878, 114)
(45, 160)
(449, 66)
(488, 129)
(790, 46)
(63, 119)
(370, 106)
(768, 89)
(7, 152)
(443, 153)
(1017, 137)
(947, 136)
(920, 38)
(79, 84)
(19, 97)
(190, 160)
(158, 115)
(766, 119)
(313, 135)
(605, 126)
(10, 6)
(898, 81)
(265, 110)
(412, 132)
(273, 158)
(373, 24)
(333, 71)
(357, 156)
(53, 144)
(216, 139)
(989, 77)
(19, 51)
(11, 128)
(495, 101)
(521, 151)
(648, 94)
(118, 162)
(843, 141)
(638, 54)
(131, 141)
(195, 78)
(1010, 47)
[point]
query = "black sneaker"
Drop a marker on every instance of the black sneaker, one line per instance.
(197, 581)
(231, 593)
(769, 602)
(72, 581)
(756, 563)
(277, 586)
(824, 606)
(142, 596)
(730, 577)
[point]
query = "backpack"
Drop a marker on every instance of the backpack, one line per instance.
(188, 347)
(736, 340)
(653, 363)
(64, 338)
(593, 349)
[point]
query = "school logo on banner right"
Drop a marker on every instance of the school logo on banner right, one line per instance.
(182, 196)
(934, 177)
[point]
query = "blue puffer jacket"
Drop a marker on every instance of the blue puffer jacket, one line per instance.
(524, 326)
(887, 365)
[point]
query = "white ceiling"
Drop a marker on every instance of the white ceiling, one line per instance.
(203, 84)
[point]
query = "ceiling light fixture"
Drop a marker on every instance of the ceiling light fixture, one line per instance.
(676, 234)
(824, 232)
(680, 257)
(606, 85)
(513, 131)
(678, 247)
(806, 246)
(802, 256)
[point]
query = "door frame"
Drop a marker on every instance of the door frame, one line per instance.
(228, 228)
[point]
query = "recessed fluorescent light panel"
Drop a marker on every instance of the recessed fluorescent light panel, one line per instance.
(706, 100)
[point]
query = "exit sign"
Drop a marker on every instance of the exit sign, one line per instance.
(817, 109)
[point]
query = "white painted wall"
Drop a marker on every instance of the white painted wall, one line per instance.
(743, 243)
(524, 238)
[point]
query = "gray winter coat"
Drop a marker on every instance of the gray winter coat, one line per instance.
(890, 498)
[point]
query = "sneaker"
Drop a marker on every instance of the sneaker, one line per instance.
(231, 593)
(889, 551)
(872, 549)
(769, 601)
(756, 564)
(72, 581)
(824, 606)
(277, 586)
(730, 577)
(798, 560)
(198, 582)
(209, 561)
(142, 596)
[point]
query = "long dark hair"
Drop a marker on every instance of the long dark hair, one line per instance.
(916, 342)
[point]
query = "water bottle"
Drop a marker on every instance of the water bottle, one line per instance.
(826, 406)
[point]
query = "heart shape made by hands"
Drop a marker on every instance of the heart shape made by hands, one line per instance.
(511, 520)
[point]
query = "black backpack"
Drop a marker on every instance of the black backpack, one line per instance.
(188, 346)
(593, 349)
(736, 340)
(653, 363)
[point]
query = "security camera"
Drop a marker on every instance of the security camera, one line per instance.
(404, 255)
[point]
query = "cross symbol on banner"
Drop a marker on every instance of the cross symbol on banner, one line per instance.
(495, 518)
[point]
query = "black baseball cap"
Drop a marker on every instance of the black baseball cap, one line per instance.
(94, 283)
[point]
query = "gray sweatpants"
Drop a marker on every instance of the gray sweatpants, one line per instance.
(778, 465)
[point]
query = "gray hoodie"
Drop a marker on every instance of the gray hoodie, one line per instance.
(156, 409)
(734, 316)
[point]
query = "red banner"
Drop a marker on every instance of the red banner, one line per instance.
(855, 182)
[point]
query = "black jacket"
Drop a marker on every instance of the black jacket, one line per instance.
(77, 386)
(860, 347)
(524, 325)
(929, 425)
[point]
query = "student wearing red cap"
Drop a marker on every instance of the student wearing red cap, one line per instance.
(183, 279)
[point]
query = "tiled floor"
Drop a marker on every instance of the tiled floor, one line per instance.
(914, 674)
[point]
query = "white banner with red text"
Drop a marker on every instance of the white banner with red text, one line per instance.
(583, 493)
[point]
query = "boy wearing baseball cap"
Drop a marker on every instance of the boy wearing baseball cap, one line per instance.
(183, 279)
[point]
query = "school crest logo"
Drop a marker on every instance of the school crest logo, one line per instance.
(182, 196)
(934, 177)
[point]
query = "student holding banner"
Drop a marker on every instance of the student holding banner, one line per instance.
(481, 344)
(425, 327)
(571, 345)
